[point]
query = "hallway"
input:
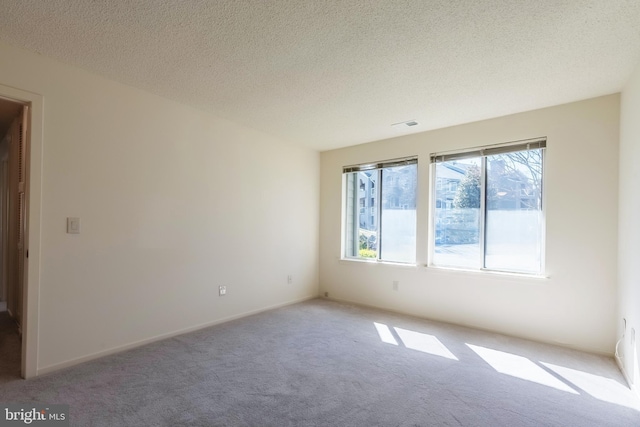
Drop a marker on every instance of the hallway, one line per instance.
(9, 347)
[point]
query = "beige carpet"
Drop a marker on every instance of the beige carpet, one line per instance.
(322, 363)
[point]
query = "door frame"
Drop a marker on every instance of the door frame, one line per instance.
(31, 287)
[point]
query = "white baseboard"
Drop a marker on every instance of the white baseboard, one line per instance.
(119, 349)
(630, 384)
(468, 325)
(624, 373)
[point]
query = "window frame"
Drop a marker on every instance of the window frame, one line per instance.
(378, 168)
(484, 152)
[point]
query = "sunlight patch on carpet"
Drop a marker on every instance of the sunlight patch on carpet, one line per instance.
(600, 387)
(519, 367)
(385, 333)
(413, 340)
(424, 342)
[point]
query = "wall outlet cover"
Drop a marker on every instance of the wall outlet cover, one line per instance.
(73, 225)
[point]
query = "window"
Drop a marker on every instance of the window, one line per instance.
(493, 219)
(389, 233)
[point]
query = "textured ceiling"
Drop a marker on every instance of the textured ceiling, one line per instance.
(333, 73)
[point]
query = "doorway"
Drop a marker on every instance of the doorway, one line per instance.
(32, 238)
(14, 137)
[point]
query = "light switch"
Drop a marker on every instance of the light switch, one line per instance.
(73, 225)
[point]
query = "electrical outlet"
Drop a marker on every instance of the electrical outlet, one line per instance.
(396, 284)
(289, 279)
(73, 225)
(222, 290)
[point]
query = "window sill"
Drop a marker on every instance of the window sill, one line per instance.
(488, 272)
(376, 262)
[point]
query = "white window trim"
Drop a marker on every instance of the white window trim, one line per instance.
(485, 272)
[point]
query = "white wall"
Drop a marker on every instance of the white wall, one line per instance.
(629, 228)
(576, 305)
(173, 202)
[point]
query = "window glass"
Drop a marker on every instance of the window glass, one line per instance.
(514, 211)
(487, 209)
(398, 231)
(361, 219)
(380, 220)
(457, 216)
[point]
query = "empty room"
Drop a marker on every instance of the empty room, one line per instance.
(319, 213)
